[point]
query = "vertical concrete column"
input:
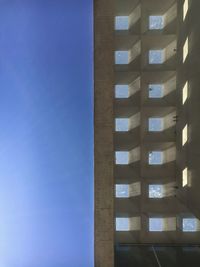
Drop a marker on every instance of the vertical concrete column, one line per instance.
(103, 131)
(188, 73)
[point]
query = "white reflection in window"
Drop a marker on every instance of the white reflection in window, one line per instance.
(185, 49)
(185, 177)
(185, 9)
(185, 93)
(184, 135)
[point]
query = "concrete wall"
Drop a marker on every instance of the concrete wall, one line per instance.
(189, 155)
(103, 132)
(174, 74)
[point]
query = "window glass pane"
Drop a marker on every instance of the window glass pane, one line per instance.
(156, 90)
(155, 191)
(156, 56)
(121, 125)
(121, 57)
(155, 124)
(121, 23)
(122, 157)
(189, 225)
(122, 190)
(122, 224)
(122, 91)
(155, 157)
(156, 22)
(155, 224)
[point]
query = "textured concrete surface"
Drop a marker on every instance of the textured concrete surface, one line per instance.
(103, 132)
(189, 155)
(173, 73)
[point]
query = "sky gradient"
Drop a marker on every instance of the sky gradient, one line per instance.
(46, 134)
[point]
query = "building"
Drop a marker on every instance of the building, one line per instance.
(147, 128)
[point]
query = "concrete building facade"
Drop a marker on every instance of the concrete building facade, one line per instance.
(146, 126)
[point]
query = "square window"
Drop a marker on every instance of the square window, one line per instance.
(156, 90)
(156, 224)
(189, 225)
(121, 91)
(121, 23)
(155, 124)
(156, 56)
(122, 157)
(122, 190)
(155, 157)
(122, 224)
(155, 191)
(121, 57)
(121, 125)
(156, 22)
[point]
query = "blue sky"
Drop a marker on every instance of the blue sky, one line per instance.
(46, 135)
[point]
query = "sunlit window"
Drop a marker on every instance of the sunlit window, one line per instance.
(121, 57)
(189, 225)
(121, 23)
(155, 191)
(156, 224)
(185, 9)
(156, 22)
(155, 124)
(156, 56)
(122, 157)
(155, 158)
(185, 50)
(185, 177)
(122, 224)
(121, 125)
(185, 93)
(121, 91)
(184, 135)
(156, 90)
(122, 190)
